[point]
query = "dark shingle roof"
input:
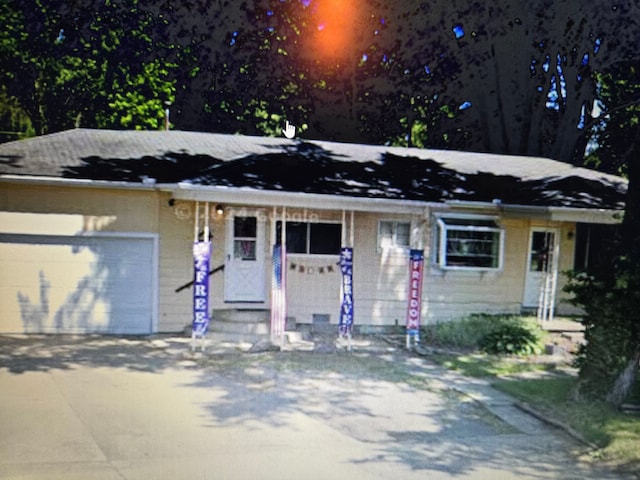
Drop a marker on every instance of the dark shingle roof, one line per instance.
(309, 166)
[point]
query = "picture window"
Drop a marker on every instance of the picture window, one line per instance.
(468, 243)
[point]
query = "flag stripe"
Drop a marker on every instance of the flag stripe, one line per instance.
(278, 292)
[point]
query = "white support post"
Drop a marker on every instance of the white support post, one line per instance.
(274, 221)
(351, 232)
(206, 222)
(196, 228)
(283, 249)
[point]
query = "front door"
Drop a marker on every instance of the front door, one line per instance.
(244, 265)
(541, 272)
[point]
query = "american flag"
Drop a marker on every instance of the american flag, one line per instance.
(278, 293)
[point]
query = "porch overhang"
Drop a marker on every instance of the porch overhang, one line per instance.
(555, 214)
(271, 198)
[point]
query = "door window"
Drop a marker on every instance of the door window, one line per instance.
(245, 231)
(541, 246)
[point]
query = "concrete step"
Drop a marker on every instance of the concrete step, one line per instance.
(233, 327)
(244, 315)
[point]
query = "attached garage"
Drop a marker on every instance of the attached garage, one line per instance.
(100, 283)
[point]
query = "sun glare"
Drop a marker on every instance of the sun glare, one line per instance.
(336, 21)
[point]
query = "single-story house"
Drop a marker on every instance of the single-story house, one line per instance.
(97, 229)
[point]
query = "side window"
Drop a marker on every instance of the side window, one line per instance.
(468, 243)
(392, 234)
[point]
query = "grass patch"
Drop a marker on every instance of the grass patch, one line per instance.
(617, 434)
(483, 365)
(493, 333)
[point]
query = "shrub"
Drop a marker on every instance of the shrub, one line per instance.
(511, 334)
(512, 339)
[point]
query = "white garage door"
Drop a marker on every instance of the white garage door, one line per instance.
(88, 284)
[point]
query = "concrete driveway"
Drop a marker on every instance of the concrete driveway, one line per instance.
(117, 408)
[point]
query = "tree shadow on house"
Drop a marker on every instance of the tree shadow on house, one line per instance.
(309, 168)
(88, 285)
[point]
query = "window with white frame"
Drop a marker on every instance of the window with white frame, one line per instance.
(392, 234)
(313, 238)
(468, 243)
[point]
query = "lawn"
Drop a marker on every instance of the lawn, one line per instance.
(616, 434)
(549, 391)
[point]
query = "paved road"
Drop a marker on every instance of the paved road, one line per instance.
(111, 408)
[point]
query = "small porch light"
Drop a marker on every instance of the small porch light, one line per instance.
(219, 209)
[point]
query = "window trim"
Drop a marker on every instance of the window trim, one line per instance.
(440, 240)
(395, 246)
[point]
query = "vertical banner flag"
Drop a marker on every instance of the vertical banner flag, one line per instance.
(278, 292)
(201, 257)
(416, 263)
(346, 310)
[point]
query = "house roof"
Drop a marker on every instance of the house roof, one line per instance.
(312, 167)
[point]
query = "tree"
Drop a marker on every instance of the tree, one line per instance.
(70, 65)
(610, 295)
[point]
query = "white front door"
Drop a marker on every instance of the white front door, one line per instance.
(244, 266)
(541, 272)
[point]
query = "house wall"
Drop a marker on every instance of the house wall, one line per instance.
(78, 259)
(453, 294)
(176, 264)
(380, 276)
(69, 211)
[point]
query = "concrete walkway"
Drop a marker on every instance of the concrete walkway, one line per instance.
(112, 408)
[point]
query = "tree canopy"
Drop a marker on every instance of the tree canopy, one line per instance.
(507, 77)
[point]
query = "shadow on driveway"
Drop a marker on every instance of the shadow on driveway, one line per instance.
(374, 413)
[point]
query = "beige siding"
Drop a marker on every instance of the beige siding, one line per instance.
(87, 209)
(313, 281)
(380, 276)
(450, 294)
(83, 288)
(176, 267)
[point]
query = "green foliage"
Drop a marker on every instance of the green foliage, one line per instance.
(618, 92)
(610, 298)
(483, 365)
(138, 101)
(498, 334)
(616, 433)
(104, 69)
(400, 76)
(512, 339)
(14, 119)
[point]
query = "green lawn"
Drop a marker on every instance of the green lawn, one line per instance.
(616, 434)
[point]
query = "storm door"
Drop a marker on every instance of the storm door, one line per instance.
(542, 270)
(244, 264)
